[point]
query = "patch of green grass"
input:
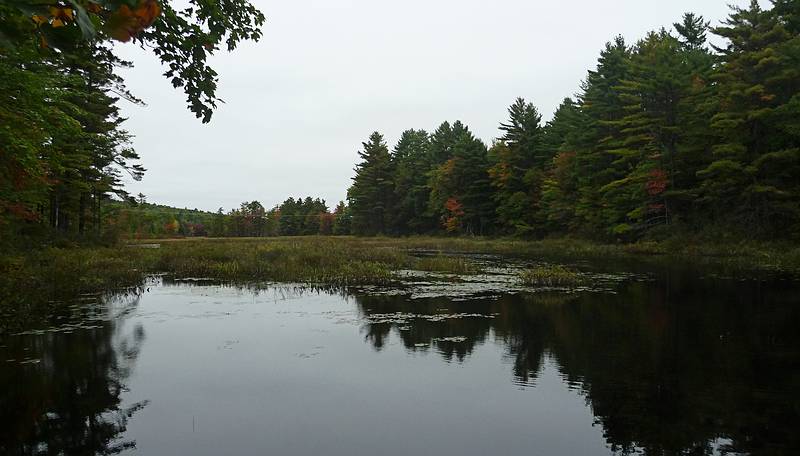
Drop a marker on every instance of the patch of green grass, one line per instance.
(446, 263)
(550, 276)
(57, 272)
(306, 260)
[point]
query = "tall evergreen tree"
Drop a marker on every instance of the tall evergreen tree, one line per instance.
(602, 108)
(78, 150)
(371, 194)
(441, 144)
(560, 186)
(518, 168)
(752, 176)
(692, 30)
(645, 148)
(695, 109)
(341, 221)
(461, 192)
(411, 165)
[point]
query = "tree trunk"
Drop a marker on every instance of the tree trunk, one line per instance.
(54, 210)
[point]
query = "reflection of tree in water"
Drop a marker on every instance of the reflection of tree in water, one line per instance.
(519, 326)
(669, 367)
(69, 403)
(418, 334)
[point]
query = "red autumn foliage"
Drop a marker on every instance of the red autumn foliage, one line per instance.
(657, 182)
(19, 211)
(171, 227)
(455, 211)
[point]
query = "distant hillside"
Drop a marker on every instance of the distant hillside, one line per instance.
(144, 220)
(293, 217)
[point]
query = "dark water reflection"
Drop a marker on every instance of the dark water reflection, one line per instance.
(61, 390)
(676, 365)
(667, 367)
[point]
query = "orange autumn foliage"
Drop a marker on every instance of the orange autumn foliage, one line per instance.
(122, 24)
(125, 23)
(455, 210)
(171, 227)
(61, 16)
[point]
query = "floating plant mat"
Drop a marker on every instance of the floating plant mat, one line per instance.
(497, 276)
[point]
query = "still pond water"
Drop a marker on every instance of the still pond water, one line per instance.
(654, 363)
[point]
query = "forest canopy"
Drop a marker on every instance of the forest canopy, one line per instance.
(668, 134)
(63, 149)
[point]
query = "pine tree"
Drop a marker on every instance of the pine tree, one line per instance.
(411, 165)
(558, 134)
(560, 185)
(752, 175)
(460, 187)
(695, 109)
(692, 30)
(601, 107)
(370, 195)
(645, 148)
(65, 148)
(441, 144)
(518, 167)
(341, 221)
(523, 133)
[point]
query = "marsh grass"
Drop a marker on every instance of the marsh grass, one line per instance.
(446, 263)
(34, 278)
(43, 282)
(550, 276)
(57, 272)
(311, 260)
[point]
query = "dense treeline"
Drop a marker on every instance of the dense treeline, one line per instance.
(669, 134)
(143, 220)
(293, 217)
(63, 150)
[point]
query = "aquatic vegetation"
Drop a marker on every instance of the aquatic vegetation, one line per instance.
(550, 276)
(286, 260)
(446, 263)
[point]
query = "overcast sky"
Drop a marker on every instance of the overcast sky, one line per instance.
(327, 73)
